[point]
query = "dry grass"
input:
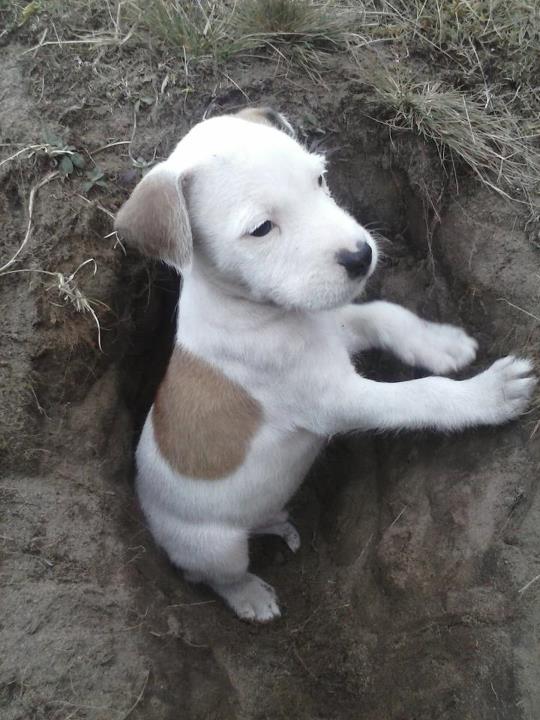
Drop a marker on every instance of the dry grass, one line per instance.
(67, 287)
(485, 41)
(294, 22)
(299, 31)
(462, 73)
(484, 115)
(488, 48)
(114, 33)
(31, 199)
(194, 29)
(220, 30)
(69, 292)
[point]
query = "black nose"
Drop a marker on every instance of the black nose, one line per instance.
(355, 263)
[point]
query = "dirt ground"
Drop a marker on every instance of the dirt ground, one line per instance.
(409, 597)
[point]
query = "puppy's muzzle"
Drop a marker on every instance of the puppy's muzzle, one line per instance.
(358, 263)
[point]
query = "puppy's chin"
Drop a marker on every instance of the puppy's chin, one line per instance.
(321, 299)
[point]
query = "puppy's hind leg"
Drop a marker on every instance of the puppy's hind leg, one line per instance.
(217, 555)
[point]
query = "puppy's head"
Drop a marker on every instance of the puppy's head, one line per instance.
(243, 200)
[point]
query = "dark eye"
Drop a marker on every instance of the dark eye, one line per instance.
(320, 180)
(263, 229)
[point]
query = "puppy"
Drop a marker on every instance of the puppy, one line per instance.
(261, 370)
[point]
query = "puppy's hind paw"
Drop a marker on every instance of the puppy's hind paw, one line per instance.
(251, 599)
(283, 529)
(291, 536)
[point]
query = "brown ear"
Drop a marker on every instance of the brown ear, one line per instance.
(155, 218)
(267, 116)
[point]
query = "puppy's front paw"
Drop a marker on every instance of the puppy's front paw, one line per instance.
(505, 389)
(440, 348)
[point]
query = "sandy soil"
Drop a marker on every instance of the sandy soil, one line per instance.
(404, 602)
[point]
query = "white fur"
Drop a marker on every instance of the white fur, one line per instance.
(274, 314)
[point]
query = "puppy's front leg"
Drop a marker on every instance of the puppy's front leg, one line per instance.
(438, 348)
(352, 402)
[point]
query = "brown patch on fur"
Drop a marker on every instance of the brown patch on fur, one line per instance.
(266, 116)
(155, 218)
(203, 422)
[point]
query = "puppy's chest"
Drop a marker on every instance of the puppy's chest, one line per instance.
(206, 421)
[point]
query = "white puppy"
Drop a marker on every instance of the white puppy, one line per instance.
(260, 374)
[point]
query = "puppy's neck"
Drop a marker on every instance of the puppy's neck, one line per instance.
(210, 301)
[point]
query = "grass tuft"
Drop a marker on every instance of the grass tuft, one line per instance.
(196, 29)
(491, 143)
(485, 38)
(219, 30)
(293, 22)
(462, 73)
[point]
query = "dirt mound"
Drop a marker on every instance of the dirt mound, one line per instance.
(407, 598)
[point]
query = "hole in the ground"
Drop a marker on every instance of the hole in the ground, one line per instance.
(382, 199)
(153, 311)
(392, 555)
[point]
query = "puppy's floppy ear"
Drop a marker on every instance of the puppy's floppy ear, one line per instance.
(267, 116)
(155, 218)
